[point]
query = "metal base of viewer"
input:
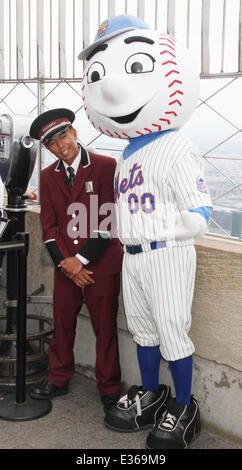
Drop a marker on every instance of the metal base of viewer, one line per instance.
(30, 409)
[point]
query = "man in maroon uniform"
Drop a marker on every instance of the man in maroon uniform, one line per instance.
(91, 261)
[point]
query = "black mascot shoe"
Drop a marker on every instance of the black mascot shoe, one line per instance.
(178, 427)
(46, 390)
(139, 409)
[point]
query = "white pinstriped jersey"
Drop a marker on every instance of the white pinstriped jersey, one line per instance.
(153, 186)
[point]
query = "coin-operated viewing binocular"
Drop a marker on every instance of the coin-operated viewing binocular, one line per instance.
(18, 153)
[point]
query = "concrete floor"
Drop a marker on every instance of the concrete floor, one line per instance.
(76, 422)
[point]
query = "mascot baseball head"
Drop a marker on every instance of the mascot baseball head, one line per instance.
(137, 81)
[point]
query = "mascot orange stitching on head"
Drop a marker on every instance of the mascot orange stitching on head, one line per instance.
(142, 86)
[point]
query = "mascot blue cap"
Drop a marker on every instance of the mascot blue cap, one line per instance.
(113, 27)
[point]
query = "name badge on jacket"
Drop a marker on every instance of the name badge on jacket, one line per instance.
(89, 187)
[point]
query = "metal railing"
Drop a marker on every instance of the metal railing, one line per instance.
(42, 38)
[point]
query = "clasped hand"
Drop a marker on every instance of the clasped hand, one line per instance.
(73, 269)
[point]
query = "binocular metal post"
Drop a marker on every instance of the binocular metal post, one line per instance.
(18, 153)
(20, 406)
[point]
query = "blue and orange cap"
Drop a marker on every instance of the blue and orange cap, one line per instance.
(113, 27)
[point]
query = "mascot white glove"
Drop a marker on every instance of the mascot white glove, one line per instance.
(190, 225)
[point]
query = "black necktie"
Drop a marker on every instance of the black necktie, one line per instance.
(71, 172)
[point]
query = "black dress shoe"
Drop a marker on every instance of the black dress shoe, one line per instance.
(179, 426)
(137, 410)
(109, 401)
(47, 390)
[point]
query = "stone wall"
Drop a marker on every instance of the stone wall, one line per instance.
(217, 306)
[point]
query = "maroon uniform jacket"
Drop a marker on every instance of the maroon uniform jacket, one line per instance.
(94, 177)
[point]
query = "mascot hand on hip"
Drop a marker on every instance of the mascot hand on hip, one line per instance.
(142, 86)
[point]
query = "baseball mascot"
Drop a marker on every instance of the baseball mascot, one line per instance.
(142, 86)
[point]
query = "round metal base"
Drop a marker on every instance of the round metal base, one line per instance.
(30, 409)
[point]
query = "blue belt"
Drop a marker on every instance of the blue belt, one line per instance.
(134, 249)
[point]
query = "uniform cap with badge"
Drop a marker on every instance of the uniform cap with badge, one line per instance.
(51, 124)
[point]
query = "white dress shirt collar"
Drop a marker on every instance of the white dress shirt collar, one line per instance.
(75, 164)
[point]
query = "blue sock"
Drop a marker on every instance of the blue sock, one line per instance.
(149, 358)
(181, 371)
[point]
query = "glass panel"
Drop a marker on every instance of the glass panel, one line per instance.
(210, 86)
(221, 188)
(21, 99)
(231, 149)
(207, 129)
(229, 102)
(4, 109)
(230, 170)
(63, 96)
(226, 222)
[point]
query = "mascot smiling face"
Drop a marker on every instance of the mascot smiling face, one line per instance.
(137, 81)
